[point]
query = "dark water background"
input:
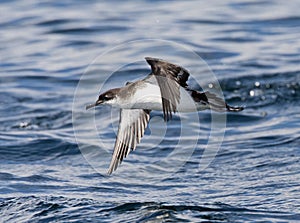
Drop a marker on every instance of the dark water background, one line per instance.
(253, 47)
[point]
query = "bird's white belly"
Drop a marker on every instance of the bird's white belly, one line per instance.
(149, 97)
(146, 97)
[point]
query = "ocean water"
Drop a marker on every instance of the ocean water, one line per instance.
(55, 57)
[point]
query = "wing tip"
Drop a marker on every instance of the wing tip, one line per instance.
(152, 61)
(113, 166)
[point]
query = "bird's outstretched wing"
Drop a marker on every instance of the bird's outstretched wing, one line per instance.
(132, 125)
(169, 78)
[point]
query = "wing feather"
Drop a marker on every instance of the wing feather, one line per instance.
(132, 125)
(169, 78)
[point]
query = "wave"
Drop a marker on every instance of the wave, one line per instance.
(48, 208)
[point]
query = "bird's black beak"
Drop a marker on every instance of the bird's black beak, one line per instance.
(98, 102)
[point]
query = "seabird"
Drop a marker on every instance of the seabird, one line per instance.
(161, 90)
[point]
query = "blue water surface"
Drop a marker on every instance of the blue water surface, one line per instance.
(252, 47)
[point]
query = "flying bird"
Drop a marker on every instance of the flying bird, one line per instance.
(162, 90)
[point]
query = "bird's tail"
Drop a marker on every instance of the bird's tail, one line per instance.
(218, 104)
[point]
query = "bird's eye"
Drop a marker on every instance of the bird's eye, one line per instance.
(106, 97)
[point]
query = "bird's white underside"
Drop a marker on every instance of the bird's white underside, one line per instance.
(148, 97)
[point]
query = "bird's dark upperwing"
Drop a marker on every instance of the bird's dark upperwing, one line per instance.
(169, 78)
(132, 125)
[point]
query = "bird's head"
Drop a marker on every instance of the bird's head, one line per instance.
(107, 97)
